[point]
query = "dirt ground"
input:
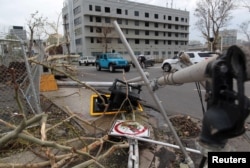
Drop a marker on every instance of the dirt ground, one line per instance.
(161, 157)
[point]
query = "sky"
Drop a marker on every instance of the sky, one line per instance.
(17, 12)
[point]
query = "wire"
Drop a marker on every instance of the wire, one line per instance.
(200, 96)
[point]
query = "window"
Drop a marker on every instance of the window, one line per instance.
(119, 41)
(91, 29)
(118, 11)
(137, 41)
(108, 40)
(98, 40)
(137, 32)
(156, 33)
(136, 22)
(77, 10)
(164, 17)
(98, 8)
(126, 21)
(146, 32)
(146, 41)
(169, 34)
(126, 12)
(78, 41)
(176, 19)
(156, 42)
(169, 17)
(78, 31)
(119, 21)
(169, 26)
(77, 21)
(182, 19)
(98, 19)
(176, 27)
(91, 18)
(91, 40)
(136, 13)
(156, 16)
(176, 35)
(146, 24)
(98, 30)
(146, 15)
(107, 20)
(90, 7)
(169, 42)
(107, 9)
(156, 24)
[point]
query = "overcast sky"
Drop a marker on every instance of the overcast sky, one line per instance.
(17, 12)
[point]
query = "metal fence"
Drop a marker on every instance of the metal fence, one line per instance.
(19, 83)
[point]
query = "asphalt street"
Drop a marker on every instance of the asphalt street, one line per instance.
(178, 99)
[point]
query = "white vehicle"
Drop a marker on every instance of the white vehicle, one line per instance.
(86, 60)
(174, 64)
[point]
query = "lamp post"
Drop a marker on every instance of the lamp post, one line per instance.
(221, 43)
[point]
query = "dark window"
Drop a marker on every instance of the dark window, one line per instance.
(136, 32)
(169, 42)
(119, 21)
(118, 11)
(146, 41)
(136, 22)
(156, 16)
(107, 9)
(77, 21)
(182, 19)
(176, 19)
(98, 8)
(91, 18)
(98, 40)
(77, 10)
(169, 34)
(169, 26)
(91, 29)
(176, 43)
(126, 12)
(107, 20)
(119, 41)
(136, 13)
(176, 35)
(146, 32)
(156, 42)
(146, 15)
(98, 30)
(156, 24)
(78, 41)
(176, 27)
(137, 41)
(146, 24)
(191, 55)
(92, 40)
(169, 17)
(90, 7)
(164, 17)
(156, 33)
(98, 19)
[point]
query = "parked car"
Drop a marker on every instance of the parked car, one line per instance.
(112, 61)
(174, 64)
(149, 60)
(86, 60)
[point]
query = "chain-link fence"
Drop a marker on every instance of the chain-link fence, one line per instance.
(19, 83)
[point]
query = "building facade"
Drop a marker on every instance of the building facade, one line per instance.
(150, 30)
(227, 38)
(18, 31)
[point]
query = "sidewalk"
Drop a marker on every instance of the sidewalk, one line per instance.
(77, 100)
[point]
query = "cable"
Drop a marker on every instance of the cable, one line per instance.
(200, 96)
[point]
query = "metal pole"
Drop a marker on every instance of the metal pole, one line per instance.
(154, 96)
(162, 143)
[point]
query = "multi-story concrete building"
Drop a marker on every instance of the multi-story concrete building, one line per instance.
(18, 31)
(227, 38)
(150, 30)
